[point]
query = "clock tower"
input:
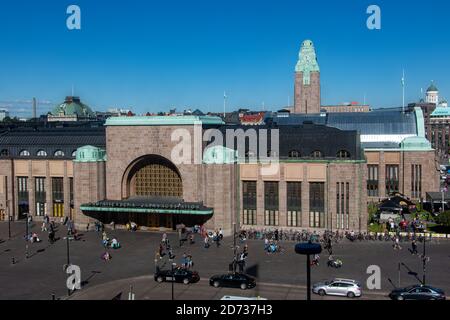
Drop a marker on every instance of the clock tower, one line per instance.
(307, 80)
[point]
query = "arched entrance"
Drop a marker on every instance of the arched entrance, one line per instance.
(152, 197)
(153, 176)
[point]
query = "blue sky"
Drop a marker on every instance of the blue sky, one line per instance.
(154, 55)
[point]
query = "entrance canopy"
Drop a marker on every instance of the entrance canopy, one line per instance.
(164, 205)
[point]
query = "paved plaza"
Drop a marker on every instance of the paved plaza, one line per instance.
(279, 276)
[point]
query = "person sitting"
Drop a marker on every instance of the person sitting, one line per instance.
(35, 238)
(106, 256)
(115, 244)
(273, 247)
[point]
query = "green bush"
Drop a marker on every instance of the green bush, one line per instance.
(444, 218)
(372, 209)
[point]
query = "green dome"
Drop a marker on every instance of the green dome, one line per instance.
(432, 88)
(90, 154)
(73, 106)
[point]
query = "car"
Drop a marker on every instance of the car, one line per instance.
(180, 275)
(417, 292)
(338, 287)
(241, 298)
(233, 280)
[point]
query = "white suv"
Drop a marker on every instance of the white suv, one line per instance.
(338, 287)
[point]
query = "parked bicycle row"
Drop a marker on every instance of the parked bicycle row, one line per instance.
(335, 236)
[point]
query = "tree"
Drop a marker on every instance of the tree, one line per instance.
(372, 210)
(444, 218)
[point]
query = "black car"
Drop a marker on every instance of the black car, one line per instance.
(417, 292)
(233, 280)
(178, 275)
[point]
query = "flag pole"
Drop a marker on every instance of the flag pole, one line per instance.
(224, 103)
(403, 91)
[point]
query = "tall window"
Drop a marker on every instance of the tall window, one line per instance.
(249, 202)
(392, 180)
(372, 181)
(22, 196)
(316, 204)
(416, 180)
(271, 203)
(294, 204)
(342, 205)
(58, 197)
(40, 196)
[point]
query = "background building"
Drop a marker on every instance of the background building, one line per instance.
(72, 109)
(4, 113)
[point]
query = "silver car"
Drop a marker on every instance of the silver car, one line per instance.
(338, 287)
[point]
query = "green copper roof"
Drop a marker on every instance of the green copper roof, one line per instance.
(441, 112)
(419, 142)
(432, 87)
(162, 120)
(146, 210)
(415, 144)
(307, 61)
(72, 106)
(219, 155)
(90, 154)
(420, 122)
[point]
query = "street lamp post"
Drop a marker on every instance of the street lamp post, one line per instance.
(173, 281)
(442, 203)
(9, 226)
(26, 228)
(308, 249)
(68, 250)
(234, 238)
(424, 259)
(68, 259)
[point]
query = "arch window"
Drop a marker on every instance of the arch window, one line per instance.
(294, 154)
(74, 153)
(316, 154)
(4, 153)
(59, 153)
(24, 153)
(41, 153)
(343, 154)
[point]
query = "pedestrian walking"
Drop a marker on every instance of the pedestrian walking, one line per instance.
(414, 247)
(397, 243)
(105, 239)
(206, 242)
(266, 244)
(184, 261)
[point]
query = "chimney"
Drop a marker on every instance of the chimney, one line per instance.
(34, 108)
